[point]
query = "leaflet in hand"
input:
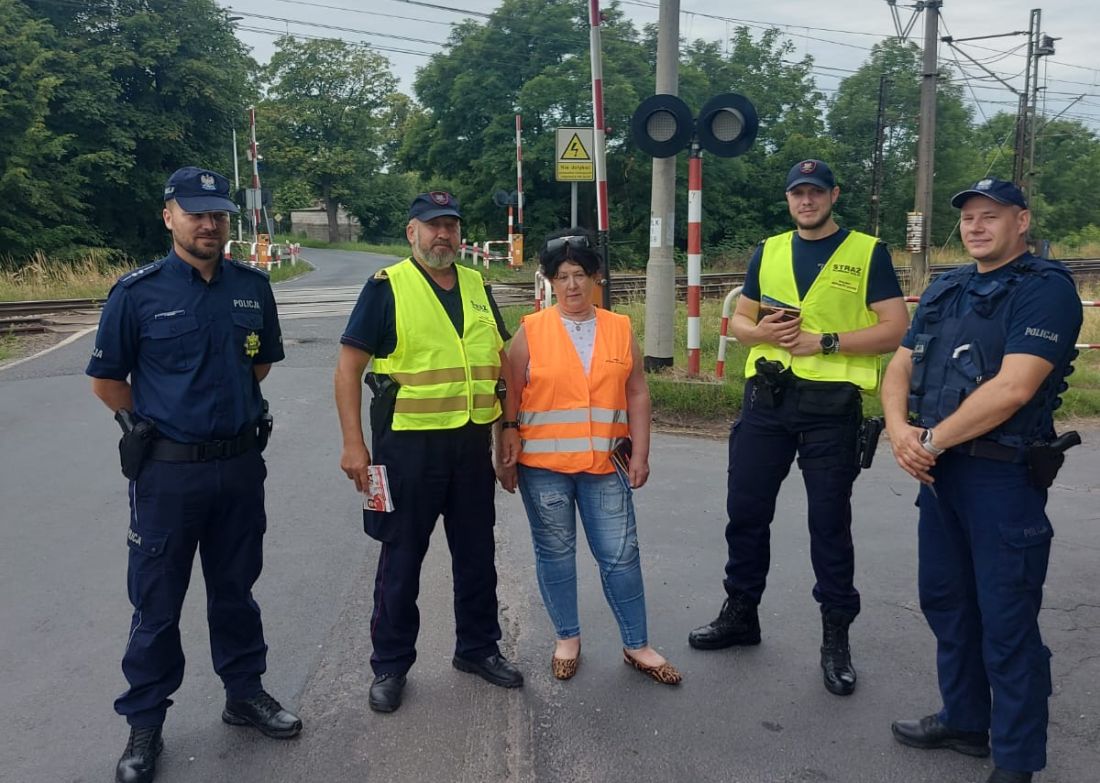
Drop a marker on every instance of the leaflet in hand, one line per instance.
(377, 495)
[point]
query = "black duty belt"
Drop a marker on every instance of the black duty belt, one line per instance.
(989, 449)
(166, 450)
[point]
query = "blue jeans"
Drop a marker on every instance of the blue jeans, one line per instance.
(606, 508)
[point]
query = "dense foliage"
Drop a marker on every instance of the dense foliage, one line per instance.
(100, 100)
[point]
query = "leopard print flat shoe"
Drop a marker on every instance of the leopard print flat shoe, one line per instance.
(564, 668)
(666, 673)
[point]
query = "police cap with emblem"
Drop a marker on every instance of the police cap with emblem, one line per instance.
(1001, 191)
(438, 203)
(199, 190)
(811, 172)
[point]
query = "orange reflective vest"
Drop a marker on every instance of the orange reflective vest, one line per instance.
(570, 422)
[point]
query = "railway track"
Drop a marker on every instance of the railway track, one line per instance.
(65, 314)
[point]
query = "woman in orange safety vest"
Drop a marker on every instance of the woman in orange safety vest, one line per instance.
(584, 420)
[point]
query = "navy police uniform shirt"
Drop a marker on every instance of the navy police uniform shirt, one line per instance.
(811, 255)
(372, 326)
(189, 346)
(1044, 320)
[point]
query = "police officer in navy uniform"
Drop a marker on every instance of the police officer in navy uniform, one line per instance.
(183, 344)
(819, 306)
(968, 400)
(436, 337)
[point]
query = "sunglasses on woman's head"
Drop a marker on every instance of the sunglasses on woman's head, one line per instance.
(554, 245)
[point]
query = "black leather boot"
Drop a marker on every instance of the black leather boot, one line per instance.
(836, 657)
(139, 761)
(737, 624)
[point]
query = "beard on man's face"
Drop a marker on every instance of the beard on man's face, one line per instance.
(437, 256)
(811, 225)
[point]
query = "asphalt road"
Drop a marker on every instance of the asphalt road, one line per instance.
(758, 715)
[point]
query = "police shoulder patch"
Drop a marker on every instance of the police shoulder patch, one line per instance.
(140, 273)
(249, 267)
(381, 274)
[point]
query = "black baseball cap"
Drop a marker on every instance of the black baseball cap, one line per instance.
(438, 203)
(811, 172)
(199, 190)
(1000, 190)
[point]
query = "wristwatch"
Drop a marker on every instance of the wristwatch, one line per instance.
(509, 425)
(830, 343)
(927, 444)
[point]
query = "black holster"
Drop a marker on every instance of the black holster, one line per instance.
(867, 441)
(1044, 460)
(772, 378)
(265, 425)
(137, 440)
(384, 388)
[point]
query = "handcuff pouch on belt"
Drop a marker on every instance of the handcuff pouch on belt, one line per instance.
(384, 388)
(264, 426)
(137, 440)
(1044, 460)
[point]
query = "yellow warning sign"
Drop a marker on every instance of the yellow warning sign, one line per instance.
(573, 155)
(575, 150)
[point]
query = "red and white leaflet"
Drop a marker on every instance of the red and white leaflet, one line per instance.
(377, 495)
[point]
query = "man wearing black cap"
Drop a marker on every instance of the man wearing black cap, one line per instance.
(436, 338)
(968, 400)
(819, 306)
(183, 344)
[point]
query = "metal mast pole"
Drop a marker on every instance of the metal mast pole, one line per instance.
(926, 146)
(598, 153)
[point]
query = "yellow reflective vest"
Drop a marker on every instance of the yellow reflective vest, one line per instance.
(446, 380)
(836, 302)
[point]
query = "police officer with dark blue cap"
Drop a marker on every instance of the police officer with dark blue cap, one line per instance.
(183, 344)
(969, 401)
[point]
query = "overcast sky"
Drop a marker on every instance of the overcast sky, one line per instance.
(408, 32)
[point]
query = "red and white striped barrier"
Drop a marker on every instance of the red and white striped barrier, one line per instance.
(543, 291)
(723, 338)
(694, 258)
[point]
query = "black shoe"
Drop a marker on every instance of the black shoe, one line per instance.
(265, 713)
(928, 733)
(836, 657)
(494, 669)
(1004, 776)
(737, 623)
(139, 761)
(385, 692)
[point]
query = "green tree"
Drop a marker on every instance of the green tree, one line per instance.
(146, 86)
(329, 116)
(851, 120)
(40, 204)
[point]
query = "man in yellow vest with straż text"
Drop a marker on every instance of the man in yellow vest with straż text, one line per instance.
(819, 306)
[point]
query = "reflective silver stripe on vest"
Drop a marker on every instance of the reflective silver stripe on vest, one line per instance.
(567, 445)
(574, 416)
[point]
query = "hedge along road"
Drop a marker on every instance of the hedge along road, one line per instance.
(747, 716)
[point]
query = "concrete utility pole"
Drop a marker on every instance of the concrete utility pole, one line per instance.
(877, 160)
(660, 284)
(926, 144)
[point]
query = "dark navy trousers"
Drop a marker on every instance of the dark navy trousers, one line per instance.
(216, 507)
(763, 444)
(984, 543)
(434, 473)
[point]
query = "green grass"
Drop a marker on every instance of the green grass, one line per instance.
(400, 251)
(290, 270)
(7, 347)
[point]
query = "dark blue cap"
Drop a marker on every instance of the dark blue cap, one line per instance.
(199, 190)
(811, 172)
(1000, 190)
(438, 203)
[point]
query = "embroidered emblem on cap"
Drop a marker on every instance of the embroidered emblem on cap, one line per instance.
(168, 191)
(251, 345)
(440, 198)
(808, 166)
(207, 181)
(985, 184)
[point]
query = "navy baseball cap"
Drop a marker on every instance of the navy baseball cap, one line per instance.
(199, 190)
(811, 172)
(1000, 190)
(438, 203)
